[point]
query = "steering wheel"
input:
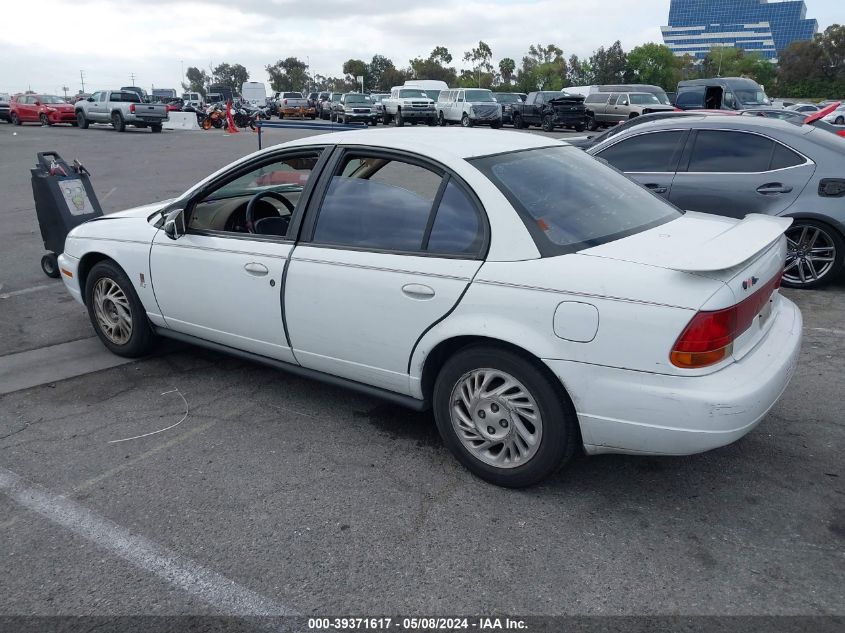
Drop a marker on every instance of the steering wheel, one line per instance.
(250, 207)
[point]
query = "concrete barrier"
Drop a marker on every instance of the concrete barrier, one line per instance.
(181, 121)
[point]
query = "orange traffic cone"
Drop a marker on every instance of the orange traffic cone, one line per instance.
(231, 128)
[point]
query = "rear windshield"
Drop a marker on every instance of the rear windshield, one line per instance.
(125, 97)
(570, 201)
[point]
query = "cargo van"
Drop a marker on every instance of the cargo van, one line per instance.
(721, 93)
(254, 93)
(431, 87)
(193, 99)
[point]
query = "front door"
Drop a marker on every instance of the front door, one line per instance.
(223, 280)
(734, 173)
(388, 252)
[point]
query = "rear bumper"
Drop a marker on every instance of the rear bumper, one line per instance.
(622, 411)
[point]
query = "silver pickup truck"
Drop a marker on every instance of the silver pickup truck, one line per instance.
(120, 108)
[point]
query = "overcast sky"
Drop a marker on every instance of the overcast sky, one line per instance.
(45, 49)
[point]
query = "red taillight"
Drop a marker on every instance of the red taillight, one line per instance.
(285, 101)
(710, 335)
(132, 108)
(841, 133)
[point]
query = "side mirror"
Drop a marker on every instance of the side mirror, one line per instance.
(91, 99)
(174, 224)
(624, 103)
(38, 103)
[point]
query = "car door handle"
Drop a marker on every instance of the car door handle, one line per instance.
(773, 187)
(653, 186)
(254, 268)
(418, 291)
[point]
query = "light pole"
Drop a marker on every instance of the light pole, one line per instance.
(182, 66)
(82, 79)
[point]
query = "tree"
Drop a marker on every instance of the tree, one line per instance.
(434, 67)
(480, 57)
(609, 65)
(354, 68)
(543, 68)
(814, 68)
(653, 64)
(578, 73)
(727, 61)
(441, 55)
(288, 75)
(506, 69)
(197, 80)
(232, 76)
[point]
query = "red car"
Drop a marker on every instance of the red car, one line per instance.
(43, 109)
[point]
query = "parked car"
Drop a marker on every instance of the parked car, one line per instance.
(254, 93)
(469, 107)
(43, 109)
(585, 142)
(803, 107)
(815, 118)
(431, 87)
(355, 107)
(120, 108)
(728, 93)
(537, 300)
(328, 104)
(734, 166)
(408, 104)
(837, 117)
(142, 94)
(313, 99)
(378, 98)
(609, 108)
(507, 99)
(549, 110)
(585, 91)
(5, 107)
(293, 104)
(321, 99)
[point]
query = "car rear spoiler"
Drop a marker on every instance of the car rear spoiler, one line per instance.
(734, 246)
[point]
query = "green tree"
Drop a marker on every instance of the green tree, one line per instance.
(814, 68)
(354, 68)
(578, 73)
(197, 80)
(507, 66)
(441, 54)
(288, 75)
(233, 76)
(434, 67)
(609, 65)
(653, 64)
(481, 59)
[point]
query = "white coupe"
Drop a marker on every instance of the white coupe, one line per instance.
(536, 299)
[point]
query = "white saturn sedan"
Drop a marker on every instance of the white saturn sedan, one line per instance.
(536, 299)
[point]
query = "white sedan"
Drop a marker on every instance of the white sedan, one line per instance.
(536, 299)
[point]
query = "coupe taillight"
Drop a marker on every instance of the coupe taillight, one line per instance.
(710, 336)
(132, 108)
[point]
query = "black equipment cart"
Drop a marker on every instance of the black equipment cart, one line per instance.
(64, 199)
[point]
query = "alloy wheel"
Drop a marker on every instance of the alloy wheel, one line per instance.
(811, 254)
(114, 315)
(496, 418)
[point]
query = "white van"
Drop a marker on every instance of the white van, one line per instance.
(254, 93)
(431, 87)
(193, 99)
(469, 107)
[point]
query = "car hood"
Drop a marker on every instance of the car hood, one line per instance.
(144, 211)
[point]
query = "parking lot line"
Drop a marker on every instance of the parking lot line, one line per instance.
(26, 291)
(216, 590)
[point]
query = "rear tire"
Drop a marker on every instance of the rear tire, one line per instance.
(50, 265)
(441, 119)
(532, 421)
(117, 122)
(840, 120)
(116, 312)
(814, 256)
(517, 122)
(155, 128)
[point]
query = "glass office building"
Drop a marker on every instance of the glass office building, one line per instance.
(695, 26)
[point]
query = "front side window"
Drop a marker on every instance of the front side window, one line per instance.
(225, 208)
(383, 204)
(652, 152)
(644, 98)
(569, 201)
(728, 151)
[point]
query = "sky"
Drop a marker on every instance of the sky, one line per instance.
(157, 39)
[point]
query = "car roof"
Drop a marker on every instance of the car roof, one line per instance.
(435, 142)
(752, 124)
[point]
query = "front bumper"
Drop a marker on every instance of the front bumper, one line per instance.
(419, 114)
(62, 117)
(69, 272)
(623, 411)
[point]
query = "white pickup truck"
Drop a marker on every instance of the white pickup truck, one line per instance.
(408, 104)
(120, 108)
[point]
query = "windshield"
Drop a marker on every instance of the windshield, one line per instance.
(357, 99)
(751, 97)
(292, 95)
(336, 96)
(51, 99)
(644, 98)
(408, 93)
(508, 97)
(570, 201)
(378, 98)
(483, 96)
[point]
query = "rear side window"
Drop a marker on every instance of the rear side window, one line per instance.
(569, 201)
(390, 205)
(652, 152)
(738, 152)
(690, 99)
(596, 97)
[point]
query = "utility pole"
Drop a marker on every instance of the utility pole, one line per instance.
(182, 66)
(82, 79)
(132, 77)
(64, 89)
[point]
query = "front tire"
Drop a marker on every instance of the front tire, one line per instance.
(45, 120)
(81, 121)
(517, 121)
(580, 127)
(116, 312)
(592, 125)
(466, 121)
(15, 119)
(400, 120)
(548, 123)
(502, 417)
(814, 254)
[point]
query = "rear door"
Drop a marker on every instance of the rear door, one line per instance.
(650, 158)
(388, 248)
(733, 173)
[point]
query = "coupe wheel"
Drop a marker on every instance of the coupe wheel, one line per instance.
(840, 120)
(503, 417)
(45, 120)
(814, 254)
(81, 121)
(117, 122)
(116, 311)
(548, 123)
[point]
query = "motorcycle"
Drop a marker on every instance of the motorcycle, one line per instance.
(215, 116)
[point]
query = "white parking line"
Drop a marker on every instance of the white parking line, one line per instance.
(26, 291)
(216, 590)
(828, 330)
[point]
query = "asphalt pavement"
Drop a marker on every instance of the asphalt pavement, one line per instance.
(275, 494)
